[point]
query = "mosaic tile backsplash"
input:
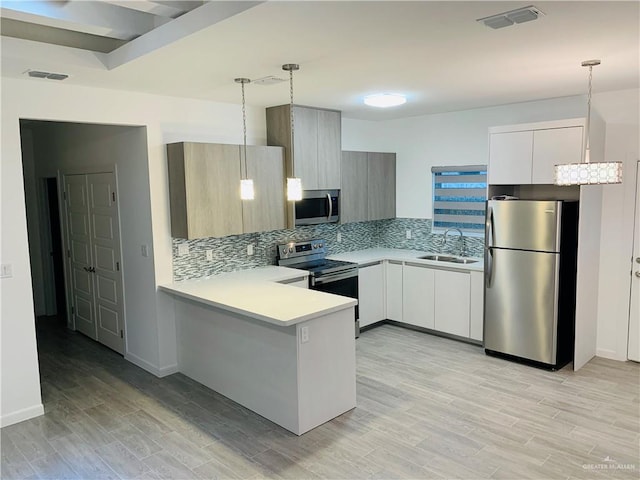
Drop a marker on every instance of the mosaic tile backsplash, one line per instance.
(230, 253)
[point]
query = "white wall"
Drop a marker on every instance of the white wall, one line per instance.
(462, 138)
(166, 119)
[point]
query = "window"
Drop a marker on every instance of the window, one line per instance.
(459, 196)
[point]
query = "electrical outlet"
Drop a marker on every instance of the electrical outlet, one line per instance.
(304, 334)
(183, 249)
(250, 249)
(408, 234)
(6, 271)
(339, 237)
(209, 254)
(144, 249)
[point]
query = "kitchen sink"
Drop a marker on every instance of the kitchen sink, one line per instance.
(447, 258)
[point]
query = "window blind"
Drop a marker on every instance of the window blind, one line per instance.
(459, 195)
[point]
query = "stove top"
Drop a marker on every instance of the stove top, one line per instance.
(310, 255)
(324, 266)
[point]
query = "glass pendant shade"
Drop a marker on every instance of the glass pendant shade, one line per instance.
(246, 189)
(294, 189)
(600, 173)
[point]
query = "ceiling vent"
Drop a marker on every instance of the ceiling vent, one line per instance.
(270, 80)
(520, 15)
(49, 75)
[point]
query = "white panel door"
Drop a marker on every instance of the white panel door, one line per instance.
(79, 254)
(417, 296)
(553, 146)
(105, 242)
(633, 352)
(476, 306)
(510, 157)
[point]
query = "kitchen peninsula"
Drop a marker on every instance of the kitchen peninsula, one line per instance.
(286, 353)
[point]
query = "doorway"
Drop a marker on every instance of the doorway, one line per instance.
(56, 252)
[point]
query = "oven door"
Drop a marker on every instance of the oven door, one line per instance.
(339, 283)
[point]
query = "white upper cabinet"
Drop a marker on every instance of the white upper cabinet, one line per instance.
(510, 156)
(527, 154)
(554, 146)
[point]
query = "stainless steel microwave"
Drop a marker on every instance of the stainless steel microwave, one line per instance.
(317, 206)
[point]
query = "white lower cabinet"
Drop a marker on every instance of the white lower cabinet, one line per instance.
(371, 294)
(476, 308)
(394, 290)
(451, 302)
(418, 295)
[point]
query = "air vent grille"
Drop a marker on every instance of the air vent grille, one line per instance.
(49, 75)
(505, 19)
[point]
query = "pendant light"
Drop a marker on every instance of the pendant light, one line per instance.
(587, 173)
(294, 185)
(246, 184)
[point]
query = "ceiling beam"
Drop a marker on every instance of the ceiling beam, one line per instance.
(202, 17)
(157, 8)
(96, 18)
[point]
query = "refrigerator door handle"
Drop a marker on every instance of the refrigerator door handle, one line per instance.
(488, 268)
(489, 228)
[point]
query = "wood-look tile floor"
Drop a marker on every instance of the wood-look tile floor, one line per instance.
(428, 407)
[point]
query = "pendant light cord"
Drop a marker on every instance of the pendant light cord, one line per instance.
(244, 132)
(587, 153)
(293, 167)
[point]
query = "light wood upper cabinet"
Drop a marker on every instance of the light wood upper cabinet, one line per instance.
(204, 182)
(354, 195)
(329, 149)
(527, 154)
(204, 189)
(368, 189)
(265, 165)
(317, 144)
(382, 185)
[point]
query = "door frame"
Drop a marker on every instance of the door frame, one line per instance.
(62, 204)
(635, 242)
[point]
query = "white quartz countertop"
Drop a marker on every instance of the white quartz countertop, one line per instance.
(256, 294)
(373, 255)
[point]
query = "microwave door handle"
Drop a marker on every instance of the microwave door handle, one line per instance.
(330, 206)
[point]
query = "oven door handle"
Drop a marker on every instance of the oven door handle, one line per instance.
(333, 278)
(330, 206)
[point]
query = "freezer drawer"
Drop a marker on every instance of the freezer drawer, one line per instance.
(524, 224)
(521, 293)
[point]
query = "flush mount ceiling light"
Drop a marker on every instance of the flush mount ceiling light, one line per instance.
(586, 173)
(294, 184)
(506, 19)
(384, 100)
(246, 184)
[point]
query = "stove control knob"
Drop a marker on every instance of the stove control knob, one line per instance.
(290, 250)
(284, 251)
(315, 245)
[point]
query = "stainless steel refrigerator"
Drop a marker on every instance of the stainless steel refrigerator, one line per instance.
(530, 280)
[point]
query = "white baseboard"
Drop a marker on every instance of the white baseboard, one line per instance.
(610, 354)
(21, 415)
(149, 367)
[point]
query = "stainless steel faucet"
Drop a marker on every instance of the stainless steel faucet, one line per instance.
(461, 242)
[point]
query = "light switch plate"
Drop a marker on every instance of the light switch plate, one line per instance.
(183, 249)
(304, 334)
(250, 249)
(339, 237)
(408, 234)
(6, 271)
(209, 254)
